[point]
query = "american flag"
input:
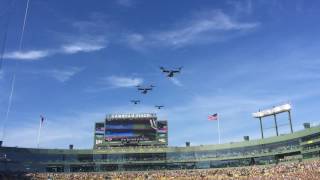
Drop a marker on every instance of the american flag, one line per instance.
(213, 117)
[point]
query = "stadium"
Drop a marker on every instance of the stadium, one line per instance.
(129, 153)
(159, 90)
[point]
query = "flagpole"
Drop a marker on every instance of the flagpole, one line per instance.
(219, 130)
(39, 131)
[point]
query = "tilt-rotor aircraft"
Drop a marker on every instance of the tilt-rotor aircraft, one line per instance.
(144, 90)
(135, 101)
(171, 73)
(159, 107)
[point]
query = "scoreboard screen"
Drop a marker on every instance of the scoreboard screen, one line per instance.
(130, 130)
(138, 129)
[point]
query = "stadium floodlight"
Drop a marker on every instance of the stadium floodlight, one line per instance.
(274, 110)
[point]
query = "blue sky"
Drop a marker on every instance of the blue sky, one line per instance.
(81, 60)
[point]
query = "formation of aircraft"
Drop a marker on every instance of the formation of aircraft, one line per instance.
(170, 73)
(145, 89)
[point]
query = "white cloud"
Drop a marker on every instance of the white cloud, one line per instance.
(117, 81)
(87, 38)
(206, 27)
(27, 55)
(71, 48)
(64, 75)
(209, 26)
(91, 35)
(81, 47)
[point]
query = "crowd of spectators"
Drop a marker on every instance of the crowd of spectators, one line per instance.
(293, 170)
(237, 152)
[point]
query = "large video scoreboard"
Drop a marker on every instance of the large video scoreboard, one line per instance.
(131, 130)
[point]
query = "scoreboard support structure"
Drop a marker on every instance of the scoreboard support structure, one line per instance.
(261, 127)
(276, 124)
(286, 108)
